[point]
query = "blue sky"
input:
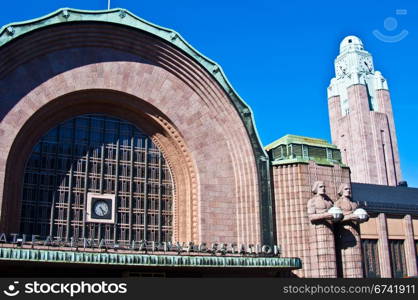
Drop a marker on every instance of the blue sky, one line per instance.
(279, 55)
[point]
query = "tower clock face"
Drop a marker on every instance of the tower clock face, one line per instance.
(366, 64)
(341, 69)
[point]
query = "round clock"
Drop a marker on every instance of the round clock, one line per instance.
(101, 208)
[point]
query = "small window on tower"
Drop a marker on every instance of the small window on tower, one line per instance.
(350, 41)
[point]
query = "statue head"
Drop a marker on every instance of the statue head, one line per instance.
(318, 188)
(344, 190)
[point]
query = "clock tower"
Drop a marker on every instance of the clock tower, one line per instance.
(361, 117)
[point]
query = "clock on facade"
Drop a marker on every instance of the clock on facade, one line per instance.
(366, 64)
(341, 69)
(100, 208)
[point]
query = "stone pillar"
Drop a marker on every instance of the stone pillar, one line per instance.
(383, 244)
(360, 149)
(385, 106)
(295, 232)
(334, 110)
(410, 255)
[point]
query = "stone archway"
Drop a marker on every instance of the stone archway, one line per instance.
(153, 122)
(207, 142)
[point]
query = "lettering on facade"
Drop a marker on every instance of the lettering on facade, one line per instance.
(143, 246)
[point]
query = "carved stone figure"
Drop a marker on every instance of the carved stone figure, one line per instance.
(347, 235)
(345, 203)
(319, 204)
(321, 235)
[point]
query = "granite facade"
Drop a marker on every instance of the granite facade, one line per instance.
(316, 244)
(57, 73)
(366, 138)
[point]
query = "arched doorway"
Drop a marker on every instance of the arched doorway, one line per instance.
(97, 177)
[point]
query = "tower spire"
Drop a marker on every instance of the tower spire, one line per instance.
(361, 116)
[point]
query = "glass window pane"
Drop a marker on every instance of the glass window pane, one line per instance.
(92, 153)
(397, 258)
(371, 267)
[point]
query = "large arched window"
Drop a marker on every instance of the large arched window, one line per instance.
(97, 177)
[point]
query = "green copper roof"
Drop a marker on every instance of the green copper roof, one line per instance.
(298, 139)
(18, 254)
(299, 149)
(117, 16)
(123, 17)
(302, 160)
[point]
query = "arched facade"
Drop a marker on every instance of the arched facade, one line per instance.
(72, 63)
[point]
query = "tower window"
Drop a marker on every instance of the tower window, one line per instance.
(350, 41)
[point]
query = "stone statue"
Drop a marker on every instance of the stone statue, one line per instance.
(344, 202)
(347, 233)
(319, 204)
(348, 207)
(321, 234)
(328, 236)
